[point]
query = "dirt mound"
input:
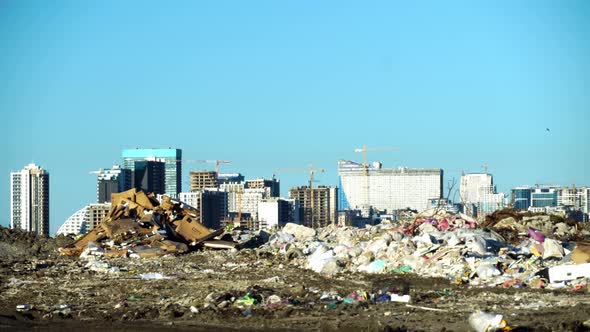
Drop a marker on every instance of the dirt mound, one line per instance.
(16, 244)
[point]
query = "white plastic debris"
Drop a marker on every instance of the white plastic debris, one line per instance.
(552, 249)
(569, 272)
(400, 298)
(486, 322)
(153, 276)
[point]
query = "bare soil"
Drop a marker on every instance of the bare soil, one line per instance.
(123, 301)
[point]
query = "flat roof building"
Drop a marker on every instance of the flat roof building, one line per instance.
(321, 209)
(29, 200)
(172, 159)
(113, 180)
(388, 189)
(200, 180)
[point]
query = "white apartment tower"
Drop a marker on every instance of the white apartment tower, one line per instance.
(388, 189)
(477, 189)
(29, 200)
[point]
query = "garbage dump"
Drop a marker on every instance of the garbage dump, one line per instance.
(139, 226)
(447, 245)
(431, 271)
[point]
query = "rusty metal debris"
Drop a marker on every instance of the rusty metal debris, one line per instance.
(138, 225)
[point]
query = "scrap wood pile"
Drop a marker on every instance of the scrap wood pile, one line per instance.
(140, 226)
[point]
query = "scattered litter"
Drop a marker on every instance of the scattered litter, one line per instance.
(486, 322)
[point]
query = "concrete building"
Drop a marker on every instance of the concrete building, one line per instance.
(272, 186)
(149, 176)
(277, 212)
(325, 205)
(211, 204)
(172, 159)
(388, 189)
(85, 219)
(200, 180)
(113, 180)
(575, 198)
(478, 190)
(244, 200)
(29, 200)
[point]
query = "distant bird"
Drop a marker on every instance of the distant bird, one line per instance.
(547, 129)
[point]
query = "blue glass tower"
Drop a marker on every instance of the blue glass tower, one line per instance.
(172, 159)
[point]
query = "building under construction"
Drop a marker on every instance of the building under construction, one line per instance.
(319, 211)
(200, 180)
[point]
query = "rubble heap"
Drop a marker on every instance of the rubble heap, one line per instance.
(17, 244)
(442, 244)
(139, 226)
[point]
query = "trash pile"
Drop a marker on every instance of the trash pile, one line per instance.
(141, 227)
(441, 220)
(447, 245)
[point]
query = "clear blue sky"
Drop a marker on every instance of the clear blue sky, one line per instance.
(281, 84)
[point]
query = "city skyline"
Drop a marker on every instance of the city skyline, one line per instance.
(270, 86)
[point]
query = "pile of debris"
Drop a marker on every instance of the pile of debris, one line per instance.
(513, 225)
(140, 226)
(443, 244)
(17, 244)
(440, 219)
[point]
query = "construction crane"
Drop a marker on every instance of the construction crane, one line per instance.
(216, 162)
(311, 172)
(364, 150)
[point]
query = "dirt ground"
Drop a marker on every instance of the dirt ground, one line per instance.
(207, 280)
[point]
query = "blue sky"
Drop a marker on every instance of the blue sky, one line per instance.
(281, 84)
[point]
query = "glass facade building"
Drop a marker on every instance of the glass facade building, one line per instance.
(521, 197)
(544, 197)
(172, 159)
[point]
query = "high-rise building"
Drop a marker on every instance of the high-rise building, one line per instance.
(29, 199)
(322, 210)
(85, 219)
(277, 212)
(211, 204)
(113, 180)
(200, 180)
(172, 159)
(383, 189)
(478, 190)
(575, 198)
(521, 197)
(244, 200)
(272, 186)
(471, 185)
(230, 178)
(149, 176)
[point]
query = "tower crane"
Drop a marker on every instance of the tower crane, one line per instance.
(216, 162)
(364, 150)
(311, 172)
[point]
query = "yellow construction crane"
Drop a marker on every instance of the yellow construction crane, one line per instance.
(364, 150)
(311, 172)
